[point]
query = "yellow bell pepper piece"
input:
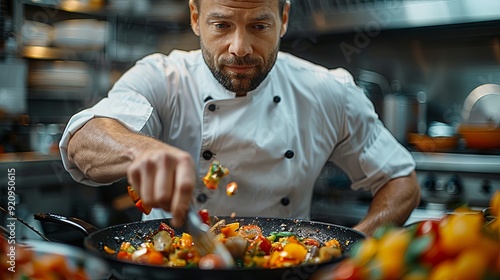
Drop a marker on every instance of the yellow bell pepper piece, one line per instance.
(295, 251)
(230, 229)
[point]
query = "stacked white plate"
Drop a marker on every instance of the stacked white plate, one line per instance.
(59, 74)
(80, 33)
(37, 33)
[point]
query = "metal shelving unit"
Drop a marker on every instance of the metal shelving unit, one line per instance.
(339, 16)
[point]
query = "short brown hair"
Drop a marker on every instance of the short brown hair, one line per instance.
(281, 5)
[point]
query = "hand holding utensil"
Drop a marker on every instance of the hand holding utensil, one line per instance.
(203, 239)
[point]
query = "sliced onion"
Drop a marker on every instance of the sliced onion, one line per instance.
(162, 241)
(216, 228)
(138, 253)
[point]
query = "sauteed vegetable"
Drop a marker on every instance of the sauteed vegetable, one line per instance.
(246, 243)
(138, 201)
(462, 245)
(214, 174)
(18, 261)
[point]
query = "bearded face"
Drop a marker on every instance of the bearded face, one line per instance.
(239, 39)
(239, 74)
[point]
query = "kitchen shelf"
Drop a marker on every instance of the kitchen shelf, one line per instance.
(133, 28)
(51, 53)
(163, 11)
(59, 94)
(326, 16)
(28, 157)
(89, 7)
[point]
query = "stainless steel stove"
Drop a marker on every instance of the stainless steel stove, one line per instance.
(447, 180)
(469, 178)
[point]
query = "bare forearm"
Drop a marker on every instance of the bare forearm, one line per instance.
(103, 149)
(392, 204)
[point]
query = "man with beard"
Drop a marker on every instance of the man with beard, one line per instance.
(273, 119)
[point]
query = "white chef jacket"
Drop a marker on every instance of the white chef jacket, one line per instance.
(275, 140)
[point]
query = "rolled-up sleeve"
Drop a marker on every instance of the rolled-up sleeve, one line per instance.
(383, 160)
(367, 151)
(129, 108)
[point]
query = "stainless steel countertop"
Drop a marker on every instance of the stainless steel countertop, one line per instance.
(34, 169)
(455, 162)
(27, 157)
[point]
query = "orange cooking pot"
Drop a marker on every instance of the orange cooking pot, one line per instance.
(480, 136)
(481, 118)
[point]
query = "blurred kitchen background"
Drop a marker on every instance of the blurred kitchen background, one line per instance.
(417, 60)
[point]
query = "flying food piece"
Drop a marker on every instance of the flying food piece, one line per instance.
(231, 189)
(215, 173)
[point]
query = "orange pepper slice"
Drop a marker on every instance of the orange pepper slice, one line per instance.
(138, 201)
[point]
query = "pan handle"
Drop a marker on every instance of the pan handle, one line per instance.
(81, 225)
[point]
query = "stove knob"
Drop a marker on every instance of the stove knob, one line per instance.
(429, 183)
(454, 186)
(486, 187)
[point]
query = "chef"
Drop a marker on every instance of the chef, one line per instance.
(271, 118)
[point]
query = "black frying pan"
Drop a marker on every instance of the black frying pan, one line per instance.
(135, 233)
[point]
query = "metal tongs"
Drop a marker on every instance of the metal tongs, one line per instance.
(205, 241)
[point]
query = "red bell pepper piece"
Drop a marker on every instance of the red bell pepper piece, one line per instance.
(137, 200)
(167, 228)
(144, 209)
(205, 217)
(264, 245)
(122, 255)
(133, 194)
